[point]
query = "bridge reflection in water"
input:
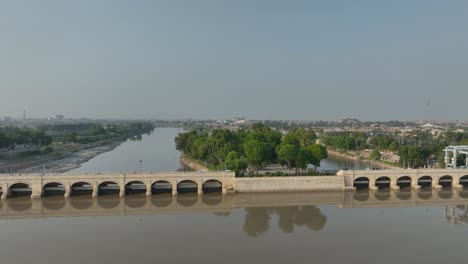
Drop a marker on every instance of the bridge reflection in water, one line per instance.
(292, 209)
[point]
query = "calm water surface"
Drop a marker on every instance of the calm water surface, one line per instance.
(334, 227)
(262, 228)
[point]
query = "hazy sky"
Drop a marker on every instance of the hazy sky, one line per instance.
(271, 59)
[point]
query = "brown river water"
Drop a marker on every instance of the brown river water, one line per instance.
(419, 227)
(426, 226)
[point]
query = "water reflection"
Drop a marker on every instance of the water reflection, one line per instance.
(257, 220)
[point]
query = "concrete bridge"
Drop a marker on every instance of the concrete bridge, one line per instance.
(401, 178)
(38, 185)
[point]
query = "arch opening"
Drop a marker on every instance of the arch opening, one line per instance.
(53, 189)
(20, 189)
(161, 187)
(109, 187)
(81, 188)
(383, 182)
(446, 181)
(425, 181)
(135, 187)
(187, 186)
(464, 181)
(211, 186)
(404, 182)
(361, 183)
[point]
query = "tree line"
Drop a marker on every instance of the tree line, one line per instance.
(416, 149)
(10, 137)
(257, 146)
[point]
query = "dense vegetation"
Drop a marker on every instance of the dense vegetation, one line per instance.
(13, 136)
(257, 146)
(416, 149)
(88, 133)
(34, 138)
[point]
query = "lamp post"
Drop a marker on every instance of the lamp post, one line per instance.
(140, 161)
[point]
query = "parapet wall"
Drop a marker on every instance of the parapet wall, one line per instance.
(288, 184)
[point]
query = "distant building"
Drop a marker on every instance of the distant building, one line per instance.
(59, 117)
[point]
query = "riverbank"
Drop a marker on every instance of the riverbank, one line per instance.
(192, 164)
(59, 163)
(351, 157)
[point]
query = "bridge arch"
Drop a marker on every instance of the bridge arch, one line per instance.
(187, 186)
(404, 182)
(20, 189)
(161, 187)
(81, 188)
(361, 183)
(446, 181)
(383, 182)
(53, 189)
(425, 181)
(135, 187)
(212, 186)
(464, 181)
(108, 187)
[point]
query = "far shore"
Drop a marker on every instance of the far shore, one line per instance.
(347, 156)
(61, 164)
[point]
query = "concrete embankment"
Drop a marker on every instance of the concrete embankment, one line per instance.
(192, 164)
(289, 184)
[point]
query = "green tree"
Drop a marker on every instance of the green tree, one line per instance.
(287, 154)
(375, 155)
(255, 153)
(236, 163)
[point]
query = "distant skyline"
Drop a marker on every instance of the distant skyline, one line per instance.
(214, 59)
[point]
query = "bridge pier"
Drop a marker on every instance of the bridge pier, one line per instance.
(416, 187)
(174, 191)
(394, 187)
(373, 187)
(67, 193)
(200, 189)
(149, 190)
(457, 185)
(435, 183)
